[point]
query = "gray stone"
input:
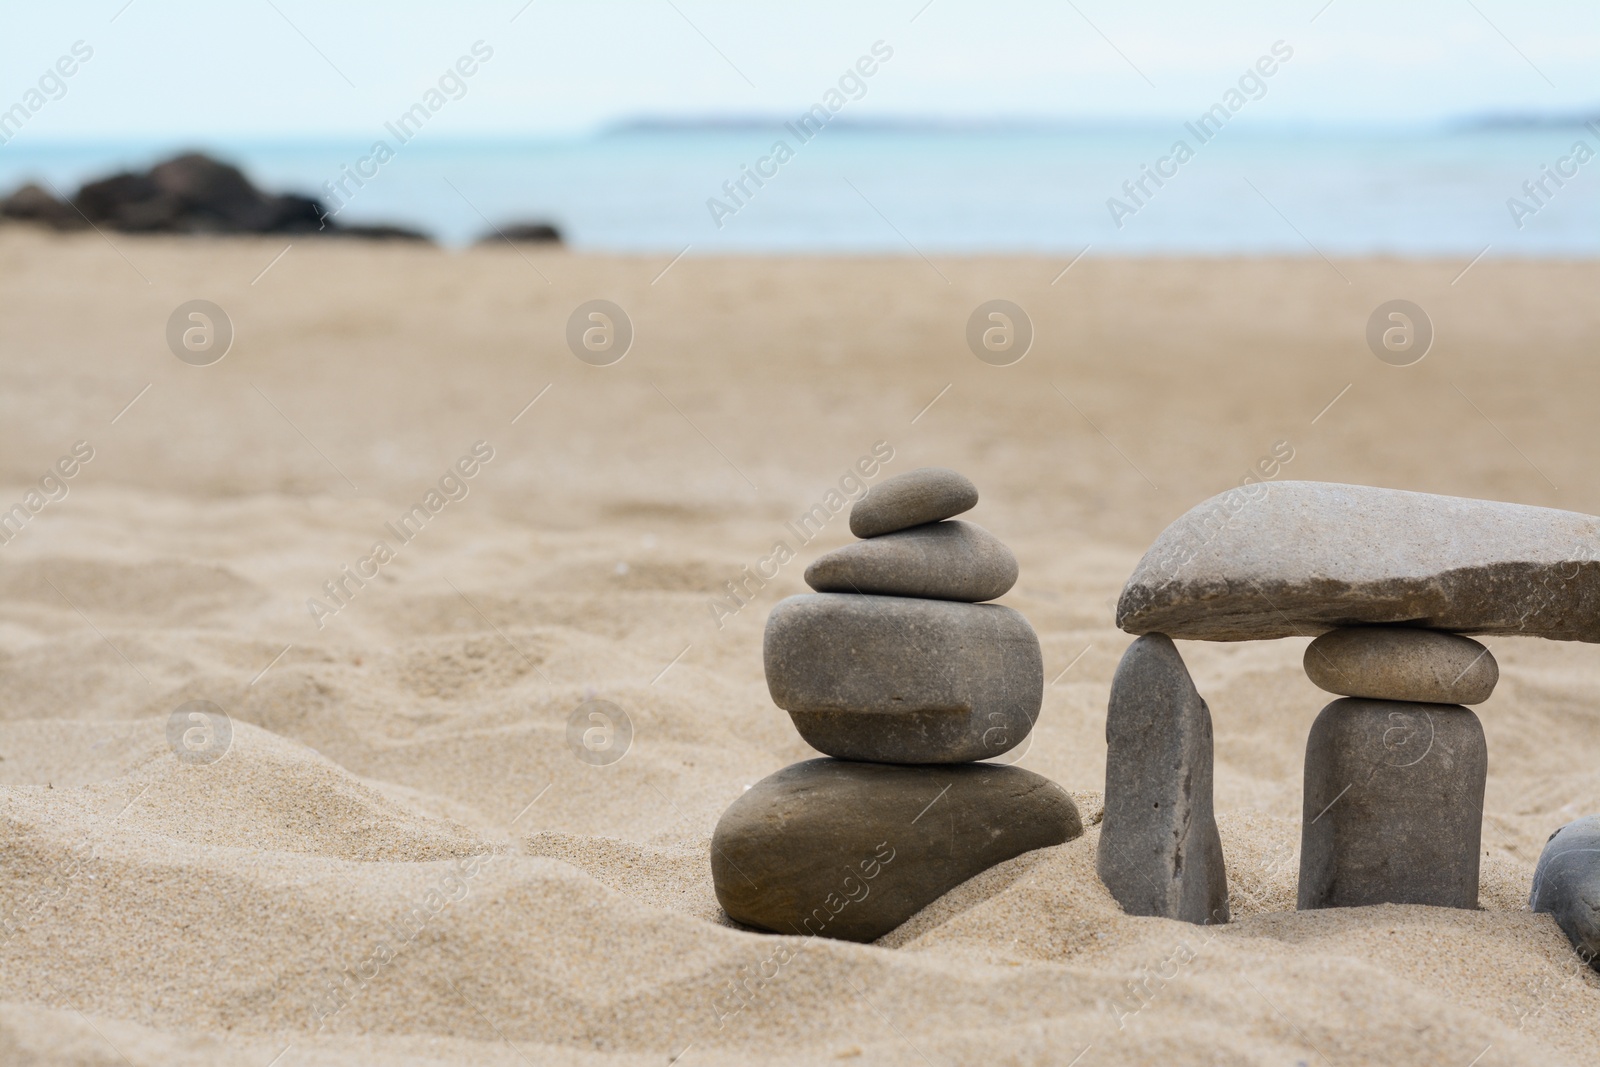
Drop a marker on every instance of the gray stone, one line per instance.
(951, 560)
(1398, 663)
(852, 850)
(1160, 853)
(902, 680)
(1304, 557)
(1566, 884)
(1393, 805)
(926, 494)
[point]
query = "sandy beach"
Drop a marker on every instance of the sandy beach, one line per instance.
(400, 860)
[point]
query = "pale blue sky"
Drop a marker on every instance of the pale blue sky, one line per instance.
(198, 69)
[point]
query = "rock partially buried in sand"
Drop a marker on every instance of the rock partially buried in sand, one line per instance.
(1160, 853)
(1397, 663)
(1303, 557)
(852, 850)
(1393, 809)
(1566, 884)
(902, 680)
(927, 494)
(952, 560)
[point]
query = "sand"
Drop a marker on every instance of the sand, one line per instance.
(399, 815)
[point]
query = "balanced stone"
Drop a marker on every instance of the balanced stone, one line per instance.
(1297, 558)
(1398, 663)
(904, 680)
(1160, 853)
(1566, 884)
(926, 494)
(1393, 808)
(852, 850)
(952, 560)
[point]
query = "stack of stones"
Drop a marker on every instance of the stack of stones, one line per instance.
(1395, 771)
(897, 671)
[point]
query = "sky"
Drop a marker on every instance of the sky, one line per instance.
(199, 70)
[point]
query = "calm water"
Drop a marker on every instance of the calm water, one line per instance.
(1343, 191)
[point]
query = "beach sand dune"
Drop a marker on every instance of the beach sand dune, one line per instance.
(400, 859)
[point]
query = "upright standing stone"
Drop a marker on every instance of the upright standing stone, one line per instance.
(1567, 885)
(1393, 805)
(1160, 853)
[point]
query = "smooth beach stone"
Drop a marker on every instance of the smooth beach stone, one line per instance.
(852, 850)
(1160, 853)
(951, 560)
(1566, 884)
(903, 680)
(1397, 663)
(924, 495)
(1283, 559)
(1393, 809)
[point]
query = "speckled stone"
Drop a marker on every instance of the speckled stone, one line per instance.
(1566, 884)
(903, 680)
(1393, 810)
(1292, 558)
(852, 850)
(1399, 663)
(951, 560)
(926, 494)
(1160, 853)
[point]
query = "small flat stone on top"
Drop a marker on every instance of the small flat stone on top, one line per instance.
(927, 494)
(1566, 884)
(1399, 663)
(951, 560)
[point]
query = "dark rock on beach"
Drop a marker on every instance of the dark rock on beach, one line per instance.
(1160, 852)
(1298, 558)
(902, 680)
(951, 560)
(852, 850)
(188, 194)
(1566, 884)
(535, 233)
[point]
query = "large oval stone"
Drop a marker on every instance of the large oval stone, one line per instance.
(902, 680)
(926, 494)
(1566, 883)
(852, 850)
(1399, 663)
(952, 560)
(1287, 559)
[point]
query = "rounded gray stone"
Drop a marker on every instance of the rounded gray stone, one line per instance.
(951, 560)
(852, 850)
(1160, 853)
(1400, 663)
(1289, 559)
(1393, 809)
(903, 680)
(924, 495)
(1566, 884)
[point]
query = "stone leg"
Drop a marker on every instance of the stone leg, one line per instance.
(1160, 853)
(1393, 805)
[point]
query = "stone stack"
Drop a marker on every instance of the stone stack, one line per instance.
(1395, 771)
(896, 669)
(1390, 580)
